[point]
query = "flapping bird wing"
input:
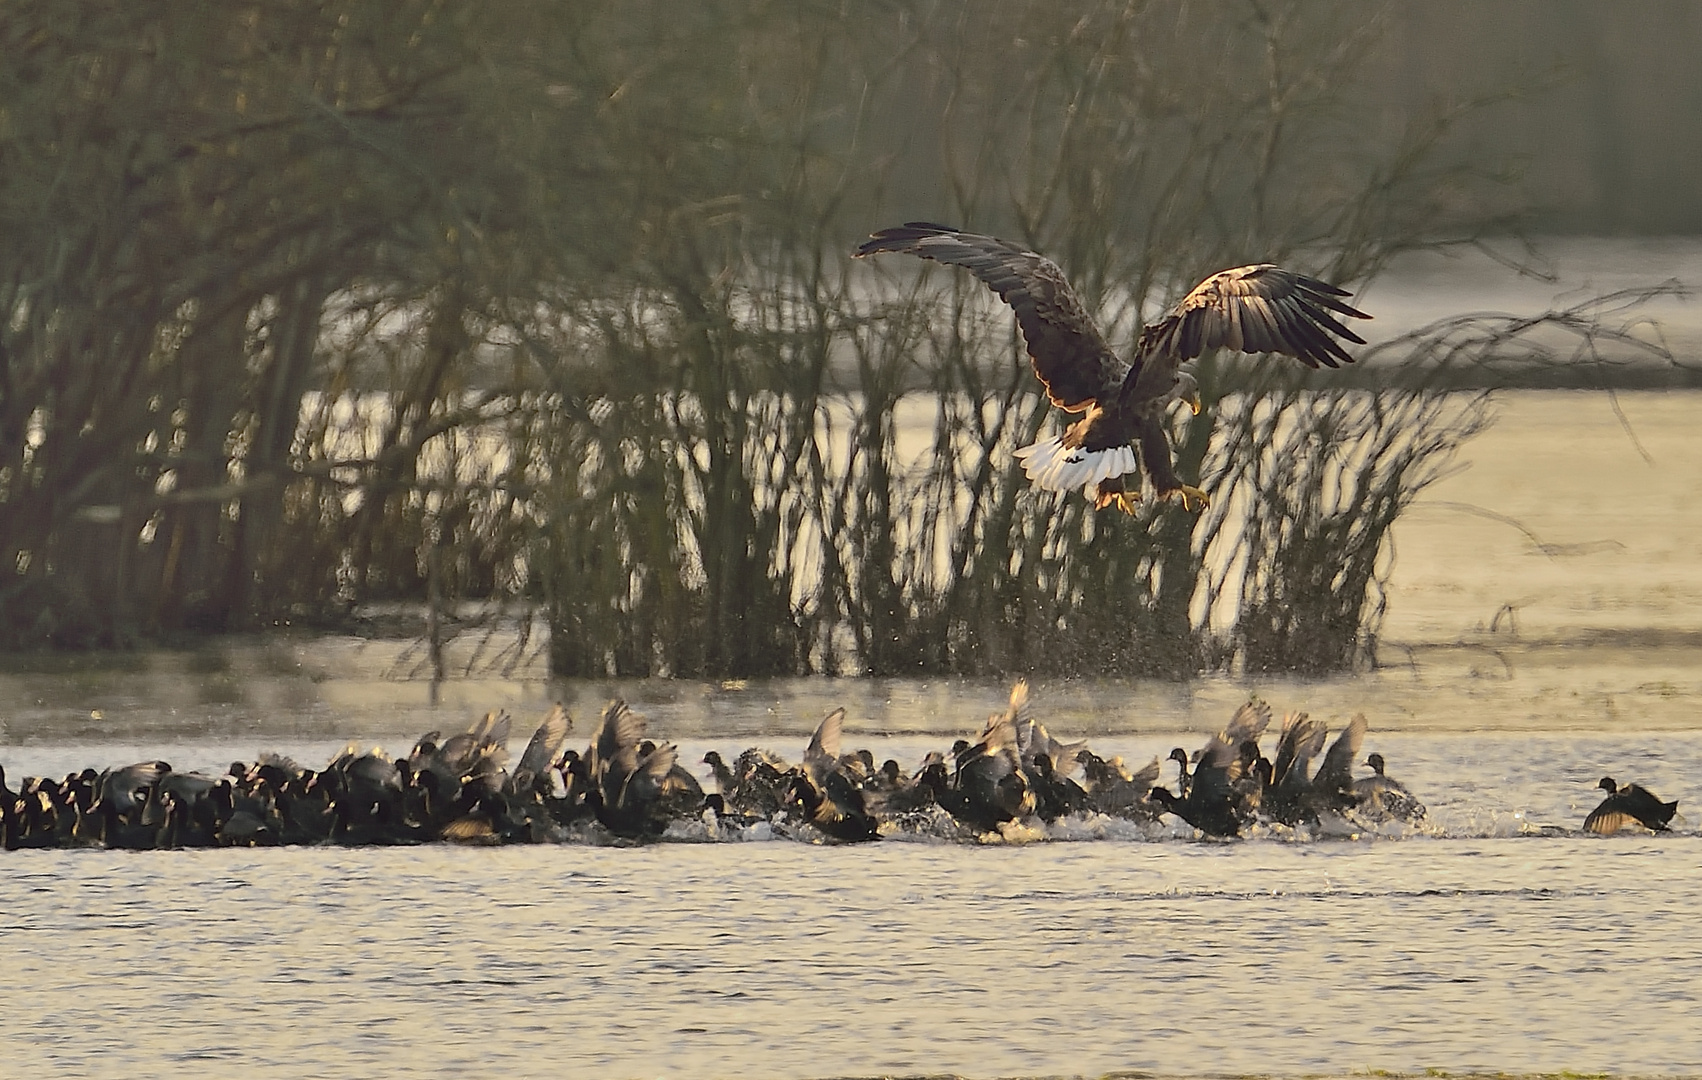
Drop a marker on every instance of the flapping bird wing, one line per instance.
(1147, 776)
(485, 728)
(1610, 817)
(457, 753)
(1335, 774)
(187, 786)
(1253, 309)
(1302, 738)
(999, 735)
(288, 765)
(643, 782)
(1018, 709)
(620, 730)
(1631, 805)
(545, 745)
(121, 785)
(1248, 724)
(823, 751)
(1256, 309)
(1069, 354)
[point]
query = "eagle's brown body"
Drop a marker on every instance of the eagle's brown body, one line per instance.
(1256, 309)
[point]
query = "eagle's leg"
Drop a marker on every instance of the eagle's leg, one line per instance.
(1112, 491)
(1155, 455)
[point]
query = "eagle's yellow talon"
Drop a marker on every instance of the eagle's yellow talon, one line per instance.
(1192, 497)
(1126, 501)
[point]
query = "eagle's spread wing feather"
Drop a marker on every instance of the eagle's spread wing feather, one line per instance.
(1260, 308)
(1255, 309)
(1069, 354)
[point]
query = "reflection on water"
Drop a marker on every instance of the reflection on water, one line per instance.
(1520, 665)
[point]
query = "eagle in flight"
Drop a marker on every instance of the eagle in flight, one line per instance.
(1252, 309)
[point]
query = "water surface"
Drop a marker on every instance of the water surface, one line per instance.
(790, 960)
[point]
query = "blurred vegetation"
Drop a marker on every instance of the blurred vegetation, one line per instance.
(315, 306)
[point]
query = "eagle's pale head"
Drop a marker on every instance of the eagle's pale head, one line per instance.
(1186, 388)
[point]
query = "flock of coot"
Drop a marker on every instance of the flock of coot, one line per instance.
(627, 787)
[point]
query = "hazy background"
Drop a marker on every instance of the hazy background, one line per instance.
(425, 319)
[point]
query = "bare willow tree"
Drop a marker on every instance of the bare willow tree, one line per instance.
(232, 229)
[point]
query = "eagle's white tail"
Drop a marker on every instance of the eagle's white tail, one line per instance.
(1051, 465)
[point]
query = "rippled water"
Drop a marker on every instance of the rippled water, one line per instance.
(1507, 941)
(783, 959)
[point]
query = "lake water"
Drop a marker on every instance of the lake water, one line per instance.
(1520, 663)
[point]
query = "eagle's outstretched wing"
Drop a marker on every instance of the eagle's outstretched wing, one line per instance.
(1069, 354)
(1253, 309)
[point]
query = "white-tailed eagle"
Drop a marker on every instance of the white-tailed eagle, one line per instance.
(1252, 309)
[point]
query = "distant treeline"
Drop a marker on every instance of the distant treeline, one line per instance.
(311, 305)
